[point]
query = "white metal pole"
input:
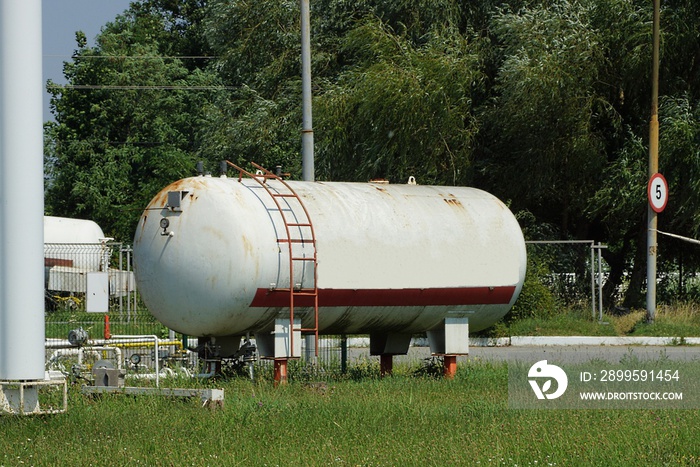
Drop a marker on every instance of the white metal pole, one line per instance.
(21, 192)
(600, 282)
(593, 279)
(307, 132)
(652, 221)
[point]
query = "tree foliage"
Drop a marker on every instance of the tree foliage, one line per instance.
(401, 109)
(121, 132)
(545, 103)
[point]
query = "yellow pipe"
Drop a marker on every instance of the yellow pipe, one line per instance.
(148, 344)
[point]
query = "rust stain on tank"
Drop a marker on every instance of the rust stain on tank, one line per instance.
(143, 224)
(453, 202)
(187, 185)
(248, 246)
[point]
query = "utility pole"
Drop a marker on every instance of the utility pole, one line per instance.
(307, 132)
(652, 247)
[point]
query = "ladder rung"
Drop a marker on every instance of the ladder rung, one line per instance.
(308, 290)
(286, 214)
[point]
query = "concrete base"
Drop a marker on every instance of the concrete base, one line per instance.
(212, 398)
(24, 398)
(451, 338)
(283, 342)
(392, 343)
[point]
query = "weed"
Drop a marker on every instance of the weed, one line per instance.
(365, 421)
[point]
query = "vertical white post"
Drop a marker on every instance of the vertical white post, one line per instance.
(307, 132)
(593, 279)
(652, 221)
(21, 192)
(600, 282)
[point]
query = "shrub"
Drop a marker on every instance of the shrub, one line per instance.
(536, 299)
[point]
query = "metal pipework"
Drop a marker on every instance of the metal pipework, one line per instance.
(154, 338)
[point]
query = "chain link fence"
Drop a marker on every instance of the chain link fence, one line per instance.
(573, 271)
(67, 268)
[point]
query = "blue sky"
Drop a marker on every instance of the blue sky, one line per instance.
(61, 19)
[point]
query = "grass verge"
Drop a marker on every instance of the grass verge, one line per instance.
(677, 320)
(371, 422)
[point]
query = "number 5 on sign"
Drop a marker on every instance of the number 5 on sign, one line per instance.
(657, 191)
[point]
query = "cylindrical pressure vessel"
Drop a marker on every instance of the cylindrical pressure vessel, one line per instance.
(212, 256)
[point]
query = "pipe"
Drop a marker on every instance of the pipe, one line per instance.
(449, 366)
(124, 343)
(280, 371)
(157, 350)
(386, 364)
(164, 373)
(81, 350)
(22, 327)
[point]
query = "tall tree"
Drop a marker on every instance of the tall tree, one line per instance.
(402, 109)
(124, 125)
(543, 149)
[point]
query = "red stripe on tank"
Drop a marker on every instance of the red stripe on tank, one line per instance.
(449, 296)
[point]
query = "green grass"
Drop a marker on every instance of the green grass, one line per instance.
(677, 320)
(395, 421)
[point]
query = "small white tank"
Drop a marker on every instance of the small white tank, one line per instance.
(391, 258)
(66, 230)
(74, 243)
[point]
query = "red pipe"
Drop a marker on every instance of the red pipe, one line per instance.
(386, 364)
(280, 371)
(108, 333)
(450, 364)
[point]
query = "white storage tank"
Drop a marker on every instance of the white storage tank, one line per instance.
(211, 256)
(62, 234)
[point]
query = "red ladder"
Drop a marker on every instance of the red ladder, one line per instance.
(294, 223)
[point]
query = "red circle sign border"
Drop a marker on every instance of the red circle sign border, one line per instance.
(654, 177)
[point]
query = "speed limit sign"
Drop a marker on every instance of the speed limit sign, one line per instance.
(657, 191)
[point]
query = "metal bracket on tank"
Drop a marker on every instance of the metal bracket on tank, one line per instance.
(175, 200)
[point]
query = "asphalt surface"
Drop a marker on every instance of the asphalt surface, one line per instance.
(564, 354)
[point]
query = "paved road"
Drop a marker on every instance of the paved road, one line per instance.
(568, 354)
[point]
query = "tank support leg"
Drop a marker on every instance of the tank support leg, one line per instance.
(386, 364)
(449, 340)
(450, 366)
(280, 371)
